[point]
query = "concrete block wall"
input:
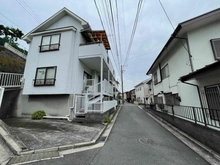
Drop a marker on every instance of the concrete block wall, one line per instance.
(207, 136)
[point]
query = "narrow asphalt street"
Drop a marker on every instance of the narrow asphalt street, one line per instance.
(136, 139)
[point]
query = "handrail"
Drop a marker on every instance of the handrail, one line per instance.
(10, 79)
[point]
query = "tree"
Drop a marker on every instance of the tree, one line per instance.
(11, 34)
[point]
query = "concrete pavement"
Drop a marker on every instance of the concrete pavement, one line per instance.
(34, 140)
(136, 138)
(95, 151)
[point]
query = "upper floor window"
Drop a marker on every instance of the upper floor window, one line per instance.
(45, 76)
(165, 71)
(50, 42)
(216, 47)
(155, 78)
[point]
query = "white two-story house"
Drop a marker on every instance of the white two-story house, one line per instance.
(143, 91)
(186, 72)
(68, 72)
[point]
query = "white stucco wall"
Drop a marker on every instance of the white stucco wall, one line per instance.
(178, 63)
(200, 46)
(60, 58)
(66, 21)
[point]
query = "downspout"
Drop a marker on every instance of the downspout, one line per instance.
(200, 99)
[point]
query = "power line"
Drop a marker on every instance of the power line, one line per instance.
(166, 14)
(173, 29)
(30, 12)
(36, 16)
(133, 30)
(12, 22)
(112, 19)
(100, 17)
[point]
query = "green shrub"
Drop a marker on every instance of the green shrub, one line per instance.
(38, 115)
(107, 120)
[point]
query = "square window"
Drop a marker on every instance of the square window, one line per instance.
(165, 72)
(45, 76)
(216, 47)
(50, 43)
(155, 78)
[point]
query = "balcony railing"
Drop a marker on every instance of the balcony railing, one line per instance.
(107, 88)
(10, 80)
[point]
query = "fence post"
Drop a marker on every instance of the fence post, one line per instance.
(204, 117)
(194, 113)
(172, 110)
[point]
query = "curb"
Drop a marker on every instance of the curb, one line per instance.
(8, 139)
(175, 131)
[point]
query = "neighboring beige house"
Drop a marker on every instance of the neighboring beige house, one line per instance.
(68, 72)
(186, 72)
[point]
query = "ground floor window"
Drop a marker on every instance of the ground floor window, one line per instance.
(213, 100)
(45, 76)
(172, 99)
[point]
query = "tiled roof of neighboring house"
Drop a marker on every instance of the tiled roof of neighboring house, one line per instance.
(201, 72)
(183, 27)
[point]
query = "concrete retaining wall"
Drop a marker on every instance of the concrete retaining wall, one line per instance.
(98, 117)
(53, 105)
(9, 104)
(205, 135)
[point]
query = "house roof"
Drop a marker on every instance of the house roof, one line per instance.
(201, 72)
(145, 81)
(64, 11)
(184, 27)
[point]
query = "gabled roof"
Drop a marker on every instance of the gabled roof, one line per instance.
(184, 27)
(64, 11)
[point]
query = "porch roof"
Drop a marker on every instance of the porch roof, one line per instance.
(201, 72)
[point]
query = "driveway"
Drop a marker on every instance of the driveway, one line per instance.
(46, 133)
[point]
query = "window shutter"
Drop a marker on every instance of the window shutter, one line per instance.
(216, 48)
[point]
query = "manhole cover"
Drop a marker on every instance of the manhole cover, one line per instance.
(148, 141)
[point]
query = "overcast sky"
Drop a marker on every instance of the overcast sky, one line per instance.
(152, 32)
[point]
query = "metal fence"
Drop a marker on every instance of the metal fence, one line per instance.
(10, 79)
(198, 115)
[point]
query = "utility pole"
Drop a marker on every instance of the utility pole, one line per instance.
(122, 85)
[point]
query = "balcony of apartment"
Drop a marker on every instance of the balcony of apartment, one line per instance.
(94, 51)
(91, 55)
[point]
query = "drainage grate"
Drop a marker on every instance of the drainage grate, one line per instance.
(148, 141)
(102, 139)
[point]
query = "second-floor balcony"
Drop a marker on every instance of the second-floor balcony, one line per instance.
(91, 54)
